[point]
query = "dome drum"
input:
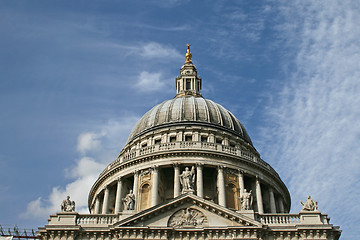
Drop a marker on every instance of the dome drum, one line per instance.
(134, 178)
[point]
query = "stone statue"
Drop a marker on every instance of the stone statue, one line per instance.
(309, 205)
(246, 200)
(187, 180)
(67, 205)
(129, 201)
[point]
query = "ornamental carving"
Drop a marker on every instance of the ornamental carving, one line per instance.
(188, 218)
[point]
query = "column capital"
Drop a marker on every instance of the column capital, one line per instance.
(240, 171)
(119, 179)
(199, 165)
(221, 167)
(155, 167)
(136, 172)
(176, 164)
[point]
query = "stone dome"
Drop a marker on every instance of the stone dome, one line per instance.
(191, 110)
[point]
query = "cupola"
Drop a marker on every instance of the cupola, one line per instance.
(189, 83)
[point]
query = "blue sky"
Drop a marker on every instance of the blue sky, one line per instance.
(75, 76)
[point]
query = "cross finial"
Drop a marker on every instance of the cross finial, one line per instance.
(188, 54)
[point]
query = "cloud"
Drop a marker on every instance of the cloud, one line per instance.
(89, 141)
(315, 135)
(97, 149)
(156, 50)
(149, 82)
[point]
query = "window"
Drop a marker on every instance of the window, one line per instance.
(188, 84)
(173, 139)
(144, 145)
(188, 138)
(157, 141)
(219, 140)
(204, 138)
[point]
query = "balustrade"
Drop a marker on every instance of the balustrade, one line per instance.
(85, 219)
(187, 145)
(279, 219)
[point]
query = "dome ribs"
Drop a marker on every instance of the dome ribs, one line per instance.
(196, 110)
(214, 112)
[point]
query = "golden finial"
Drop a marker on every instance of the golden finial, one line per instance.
(188, 54)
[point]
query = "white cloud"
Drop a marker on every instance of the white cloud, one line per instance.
(316, 133)
(89, 141)
(149, 82)
(100, 147)
(156, 50)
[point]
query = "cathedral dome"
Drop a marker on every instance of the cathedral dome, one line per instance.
(189, 110)
(182, 134)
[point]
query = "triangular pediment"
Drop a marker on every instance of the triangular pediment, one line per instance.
(187, 211)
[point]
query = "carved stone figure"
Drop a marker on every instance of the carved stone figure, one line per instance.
(309, 205)
(129, 201)
(67, 205)
(187, 218)
(246, 200)
(187, 179)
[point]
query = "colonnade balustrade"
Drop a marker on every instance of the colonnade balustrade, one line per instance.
(276, 204)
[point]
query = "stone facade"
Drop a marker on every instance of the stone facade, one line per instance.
(189, 171)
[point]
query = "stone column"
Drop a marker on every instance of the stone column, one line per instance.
(97, 205)
(176, 180)
(241, 182)
(136, 186)
(281, 205)
(221, 186)
(118, 196)
(106, 200)
(155, 186)
(272, 200)
(199, 180)
(259, 196)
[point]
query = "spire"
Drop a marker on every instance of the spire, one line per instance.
(188, 54)
(189, 83)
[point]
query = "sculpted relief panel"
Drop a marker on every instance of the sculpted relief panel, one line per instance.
(188, 218)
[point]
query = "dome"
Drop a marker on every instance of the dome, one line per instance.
(191, 110)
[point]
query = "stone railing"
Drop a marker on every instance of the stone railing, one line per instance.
(157, 148)
(279, 219)
(94, 219)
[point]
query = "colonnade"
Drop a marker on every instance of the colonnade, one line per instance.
(177, 190)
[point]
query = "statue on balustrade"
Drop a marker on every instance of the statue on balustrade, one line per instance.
(309, 205)
(129, 201)
(246, 200)
(67, 205)
(187, 180)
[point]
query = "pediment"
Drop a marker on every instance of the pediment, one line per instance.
(187, 211)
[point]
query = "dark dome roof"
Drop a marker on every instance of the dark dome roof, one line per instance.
(189, 110)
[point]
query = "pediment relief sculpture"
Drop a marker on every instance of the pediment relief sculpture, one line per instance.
(188, 218)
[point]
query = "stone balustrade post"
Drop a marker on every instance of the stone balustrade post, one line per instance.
(199, 180)
(221, 187)
(106, 200)
(272, 200)
(155, 186)
(118, 196)
(259, 197)
(176, 180)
